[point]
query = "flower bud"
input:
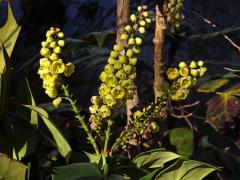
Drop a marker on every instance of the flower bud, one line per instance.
(60, 35)
(114, 54)
(148, 20)
(129, 53)
(124, 36)
(145, 14)
(131, 41)
(138, 40)
(56, 102)
(133, 76)
(53, 44)
(142, 30)
(193, 64)
(133, 61)
(61, 43)
(54, 57)
(117, 65)
(128, 28)
(127, 68)
(133, 18)
(121, 74)
(136, 50)
(109, 69)
(123, 59)
(118, 47)
(44, 44)
(139, 8)
(142, 23)
(111, 61)
(200, 63)
(194, 72)
(182, 64)
(50, 39)
(109, 100)
(45, 52)
(57, 50)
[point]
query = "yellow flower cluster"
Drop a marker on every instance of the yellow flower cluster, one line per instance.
(120, 72)
(184, 77)
(174, 15)
(51, 66)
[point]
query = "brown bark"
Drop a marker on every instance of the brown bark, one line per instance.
(122, 21)
(158, 49)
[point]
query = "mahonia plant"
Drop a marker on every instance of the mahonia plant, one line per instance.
(183, 78)
(174, 15)
(144, 121)
(52, 68)
(117, 79)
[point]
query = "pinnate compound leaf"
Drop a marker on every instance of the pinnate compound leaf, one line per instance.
(212, 86)
(182, 139)
(61, 143)
(186, 170)
(9, 32)
(154, 159)
(222, 108)
(11, 169)
(77, 171)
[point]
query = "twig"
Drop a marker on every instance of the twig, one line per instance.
(206, 20)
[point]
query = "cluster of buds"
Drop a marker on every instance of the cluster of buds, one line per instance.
(117, 79)
(174, 15)
(51, 65)
(184, 78)
(143, 123)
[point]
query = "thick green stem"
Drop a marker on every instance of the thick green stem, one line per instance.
(80, 118)
(108, 133)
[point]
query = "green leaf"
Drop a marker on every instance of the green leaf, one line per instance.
(182, 139)
(221, 109)
(93, 158)
(154, 159)
(9, 32)
(25, 96)
(11, 169)
(5, 73)
(77, 171)
(61, 143)
(212, 86)
(186, 170)
(150, 175)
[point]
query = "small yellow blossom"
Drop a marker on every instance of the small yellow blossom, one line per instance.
(69, 69)
(185, 82)
(56, 102)
(118, 92)
(172, 73)
(58, 67)
(104, 111)
(109, 100)
(184, 71)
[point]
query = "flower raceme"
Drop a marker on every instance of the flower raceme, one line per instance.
(52, 66)
(117, 79)
(184, 78)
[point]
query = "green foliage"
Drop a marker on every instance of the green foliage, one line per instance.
(212, 86)
(79, 171)
(11, 169)
(179, 168)
(223, 107)
(61, 143)
(9, 33)
(182, 139)
(186, 170)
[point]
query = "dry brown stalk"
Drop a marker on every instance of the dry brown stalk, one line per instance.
(158, 42)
